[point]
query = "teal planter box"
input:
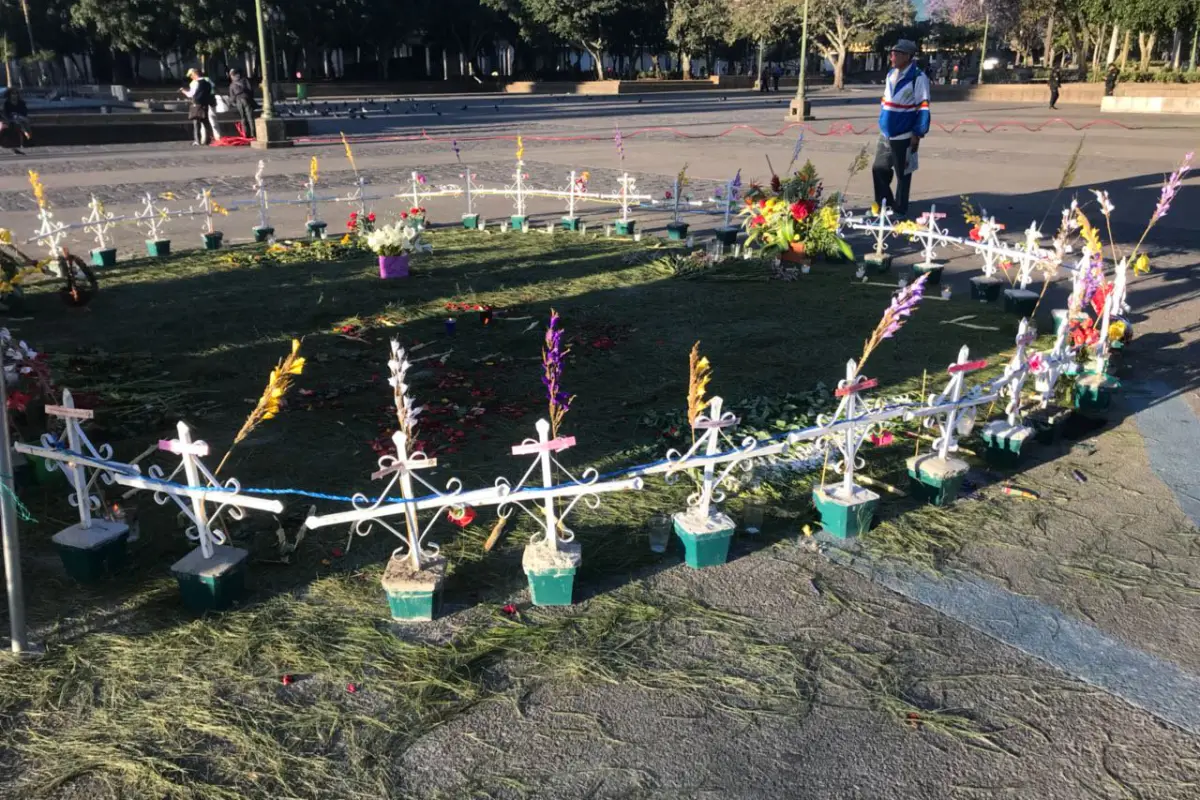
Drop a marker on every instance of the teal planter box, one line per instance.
(551, 573)
(517, 222)
(986, 290)
(1021, 302)
(316, 230)
(677, 231)
(845, 516)
(1094, 392)
(571, 223)
(935, 480)
(212, 584)
(1005, 442)
(212, 241)
(705, 541)
(880, 262)
(42, 474)
(1047, 423)
(625, 227)
(414, 595)
(90, 554)
(105, 258)
(158, 249)
(934, 271)
(728, 236)
(470, 221)
(263, 234)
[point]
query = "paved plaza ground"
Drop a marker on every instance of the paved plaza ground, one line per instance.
(851, 690)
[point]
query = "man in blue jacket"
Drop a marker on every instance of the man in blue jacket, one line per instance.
(903, 121)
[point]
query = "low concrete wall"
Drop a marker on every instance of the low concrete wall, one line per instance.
(342, 90)
(1071, 93)
(1151, 105)
(94, 131)
(608, 87)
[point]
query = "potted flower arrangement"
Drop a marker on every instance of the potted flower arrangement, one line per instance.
(212, 236)
(791, 218)
(393, 244)
(30, 389)
(360, 225)
(677, 229)
(415, 217)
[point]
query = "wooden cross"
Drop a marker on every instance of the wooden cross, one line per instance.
(80, 456)
(199, 493)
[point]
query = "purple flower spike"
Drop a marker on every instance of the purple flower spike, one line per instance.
(1171, 188)
(553, 354)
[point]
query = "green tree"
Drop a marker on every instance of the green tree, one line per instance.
(590, 24)
(696, 26)
(837, 25)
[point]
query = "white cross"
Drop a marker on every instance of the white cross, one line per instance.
(628, 187)
(1015, 373)
(80, 456)
(310, 196)
(152, 217)
(713, 425)
(51, 233)
(946, 442)
(880, 229)
(1045, 379)
(1029, 256)
(931, 233)
(855, 428)
(260, 194)
(225, 495)
(98, 221)
(730, 189)
(1121, 276)
(469, 184)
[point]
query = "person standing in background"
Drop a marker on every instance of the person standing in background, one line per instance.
(1110, 80)
(241, 97)
(1055, 82)
(200, 92)
(903, 122)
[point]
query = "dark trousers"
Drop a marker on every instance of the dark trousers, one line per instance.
(891, 157)
(202, 126)
(1054, 97)
(246, 113)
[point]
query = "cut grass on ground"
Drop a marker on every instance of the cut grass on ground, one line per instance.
(135, 699)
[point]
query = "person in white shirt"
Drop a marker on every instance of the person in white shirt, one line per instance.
(903, 122)
(200, 92)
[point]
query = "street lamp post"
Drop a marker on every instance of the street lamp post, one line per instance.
(800, 107)
(983, 47)
(269, 129)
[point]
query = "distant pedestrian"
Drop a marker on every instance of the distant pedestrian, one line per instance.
(903, 121)
(764, 84)
(1055, 82)
(775, 76)
(14, 121)
(241, 97)
(200, 93)
(1110, 80)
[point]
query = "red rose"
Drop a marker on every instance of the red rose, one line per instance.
(974, 234)
(415, 210)
(370, 217)
(403, 215)
(800, 211)
(758, 220)
(353, 215)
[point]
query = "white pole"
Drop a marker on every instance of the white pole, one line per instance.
(543, 429)
(711, 448)
(77, 472)
(8, 517)
(571, 196)
(193, 479)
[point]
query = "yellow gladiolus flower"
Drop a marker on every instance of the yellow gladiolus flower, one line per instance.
(1142, 265)
(5, 236)
(874, 208)
(1116, 331)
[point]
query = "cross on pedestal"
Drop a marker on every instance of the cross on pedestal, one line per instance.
(79, 457)
(931, 233)
(1029, 256)
(260, 196)
(879, 229)
(152, 217)
(851, 410)
(586, 487)
(950, 399)
(1016, 371)
(714, 423)
(98, 222)
(202, 488)
(1059, 356)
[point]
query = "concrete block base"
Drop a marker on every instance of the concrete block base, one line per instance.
(211, 584)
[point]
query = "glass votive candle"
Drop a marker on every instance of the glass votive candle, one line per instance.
(660, 533)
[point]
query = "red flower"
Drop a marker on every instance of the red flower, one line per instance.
(370, 217)
(353, 215)
(759, 219)
(463, 518)
(18, 401)
(1084, 333)
(351, 688)
(510, 610)
(403, 215)
(287, 680)
(1099, 296)
(414, 210)
(974, 234)
(800, 211)
(668, 194)
(337, 552)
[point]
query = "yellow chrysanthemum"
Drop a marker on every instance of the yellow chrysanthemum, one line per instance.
(874, 208)
(1116, 331)
(5, 236)
(1141, 265)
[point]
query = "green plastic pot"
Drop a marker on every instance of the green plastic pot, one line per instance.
(553, 587)
(934, 271)
(728, 236)
(571, 223)
(517, 222)
(104, 258)
(263, 234)
(677, 231)
(158, 249)
(625, 227)
(846, 520)
(316, 230)
(708, 549)
(414, 606)
(985, 289)
(212, 241)
(94, 564)
(470, 221)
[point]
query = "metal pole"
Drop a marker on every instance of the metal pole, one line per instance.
(983, 47)
(264, 63)
(800, 101)
(8, 516)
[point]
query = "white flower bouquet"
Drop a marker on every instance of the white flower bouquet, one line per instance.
(396, 240)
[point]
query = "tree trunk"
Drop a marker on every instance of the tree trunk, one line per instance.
(686, 60)
(1125, 49)
(1176, 49)
(1048, 42)
(1112, 46)
(1145, 50)
(1096, 45)
(1195, 39)
(839, 68)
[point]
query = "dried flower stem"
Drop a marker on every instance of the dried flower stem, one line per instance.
(699, 375)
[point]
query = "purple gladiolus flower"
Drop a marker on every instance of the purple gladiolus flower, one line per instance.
(903, 304)
(1171, 188)
(620, 143)
(553, 354)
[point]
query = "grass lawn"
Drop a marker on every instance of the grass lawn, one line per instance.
(135, 698)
